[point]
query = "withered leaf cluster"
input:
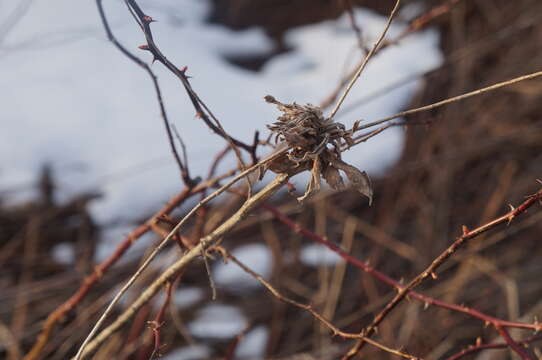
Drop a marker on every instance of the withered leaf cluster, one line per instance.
(315, 144)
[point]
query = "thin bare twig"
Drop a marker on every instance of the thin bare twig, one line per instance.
(357, 30)
(366, 60)
(479, 347)
(431, 269)
(453, 99)
(310, 309)
(296, 227)
(212, 239)
(163, 243)
(201, 108)
(513, 344)
(88, 283)
(182, 166)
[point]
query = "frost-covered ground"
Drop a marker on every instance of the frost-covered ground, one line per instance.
(70, 99)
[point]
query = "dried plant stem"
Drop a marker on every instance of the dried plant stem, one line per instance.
(352, 17)
(102, 268)
(513, 344)
(479, 347)
(453, 99)
(311, 311)
(366, 60)
(430, 270)
(391, 282)
(212, 239)
(183, 167)
(166, 240)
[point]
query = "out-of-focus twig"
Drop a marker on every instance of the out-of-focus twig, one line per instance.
(430, 271)
(479, 347)
(402, 289)
(88, 283)
(311, 311)
(212, 239)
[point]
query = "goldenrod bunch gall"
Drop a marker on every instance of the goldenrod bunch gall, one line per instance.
(315, 143)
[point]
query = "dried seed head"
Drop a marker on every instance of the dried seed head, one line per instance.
(308, 133)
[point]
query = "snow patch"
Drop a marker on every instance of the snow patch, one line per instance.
(218, 321)
(316, 255)
(256, 256)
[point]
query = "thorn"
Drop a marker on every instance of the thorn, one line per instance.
(183, 70)
(465, 230)
(148, 19)
(425, 305)
(478, 341)
(539, 180)
(486, 323)
(144, 47)
(199, 114)
(512, 208)
(434, 275)
(291, 187)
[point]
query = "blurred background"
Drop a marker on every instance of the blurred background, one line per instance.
(85, 161)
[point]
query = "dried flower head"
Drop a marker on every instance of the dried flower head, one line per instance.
(315, 143)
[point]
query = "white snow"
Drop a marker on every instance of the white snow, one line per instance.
(256, 256)
(64, 253)
(187, 296)
(218, 321)
(195, 352)
(316, 255)
(252, 346)
(71, 99)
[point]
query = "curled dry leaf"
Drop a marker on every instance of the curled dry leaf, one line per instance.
(315, 143)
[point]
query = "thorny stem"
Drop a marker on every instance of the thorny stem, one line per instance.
(185, 174)
(100, 269)
(310, 309)
(496, 322)
(479, 347)
(212, 239)
(366, 60)
(513, 344)
(387, 280)
(430, 270)
(166, 240)
(201, 108)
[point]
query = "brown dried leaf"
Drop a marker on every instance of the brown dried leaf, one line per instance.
(356, 126)
(358, 179)
(333, 178)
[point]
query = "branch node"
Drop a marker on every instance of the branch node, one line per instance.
(148, 19)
